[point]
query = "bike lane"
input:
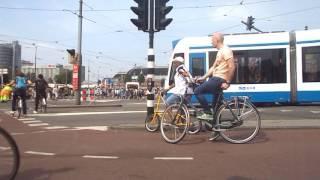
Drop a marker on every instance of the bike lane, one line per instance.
(136, 154)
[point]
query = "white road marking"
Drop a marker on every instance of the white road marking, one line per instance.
(56, 127)
(87, 113)
(315, 112)
(4, 148)
(26, 119)
(40, 153)
(97, 128)
(173, 158)
(28, 122)
(39, 124)
(286, 110)
(100, 157)
(14, 134)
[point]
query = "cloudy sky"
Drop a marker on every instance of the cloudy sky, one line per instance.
(111, 43)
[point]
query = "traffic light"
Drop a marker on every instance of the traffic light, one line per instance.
(161, 10)
(73, 56)
(142, 12)
(250, 23)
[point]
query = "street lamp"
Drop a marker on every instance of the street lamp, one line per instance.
(35, 59)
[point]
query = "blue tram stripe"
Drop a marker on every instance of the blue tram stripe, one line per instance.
(243, 45)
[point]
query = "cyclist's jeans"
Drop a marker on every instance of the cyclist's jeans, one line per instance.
(39, 96)
(174, 98)
(212, 86)
(22, 93)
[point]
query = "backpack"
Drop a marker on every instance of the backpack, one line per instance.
(41, 84)
(21, 82)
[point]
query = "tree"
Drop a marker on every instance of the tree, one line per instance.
(61, 78)
(141, 78)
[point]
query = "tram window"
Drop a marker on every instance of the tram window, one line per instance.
(311, 64)
(260, 66)
(197, 67)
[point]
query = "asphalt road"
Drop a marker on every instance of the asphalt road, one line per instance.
(131, 154)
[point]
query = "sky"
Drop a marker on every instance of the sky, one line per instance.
(112, 44)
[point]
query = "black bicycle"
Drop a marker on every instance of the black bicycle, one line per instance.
(9, 156)
(237, 120)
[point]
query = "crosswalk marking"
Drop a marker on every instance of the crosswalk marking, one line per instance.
(39, 124)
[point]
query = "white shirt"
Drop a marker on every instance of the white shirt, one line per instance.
(181, 82)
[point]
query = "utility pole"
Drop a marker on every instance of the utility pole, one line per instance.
(77, 93)
(35, 60)
(88, 73)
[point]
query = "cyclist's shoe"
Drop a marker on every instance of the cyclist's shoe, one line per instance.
(35, 112)
(205, 116)
(214, 136)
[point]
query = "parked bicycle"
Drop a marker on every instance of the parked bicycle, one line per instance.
(9, 156)
(237, 120)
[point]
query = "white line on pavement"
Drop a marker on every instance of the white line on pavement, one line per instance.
(4, 148)
(56, 127)
(40, 153)
(39, 124)
(100, 157)
(88, 113)
(286, 110)
(315, 112)
(28, 122)
(97, 128)
(26, 119)
(173, 158)
(14, 134)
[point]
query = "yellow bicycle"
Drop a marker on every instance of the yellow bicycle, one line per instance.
(152, 122)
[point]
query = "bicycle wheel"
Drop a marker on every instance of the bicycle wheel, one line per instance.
(152, 122)
(174, 123)
(242, 130)
(9, 156)
(195, 124)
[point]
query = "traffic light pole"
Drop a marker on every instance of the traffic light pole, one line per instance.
(151, 64)
(150, 82)
(77, 92)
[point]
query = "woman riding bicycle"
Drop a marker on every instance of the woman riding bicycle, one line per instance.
(181, 80)
(220, 73)
(20, 91)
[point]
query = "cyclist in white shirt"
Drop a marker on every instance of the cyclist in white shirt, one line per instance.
(181, 80)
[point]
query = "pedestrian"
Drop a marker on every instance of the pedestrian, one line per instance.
(40, 88)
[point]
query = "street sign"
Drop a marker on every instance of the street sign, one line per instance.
(75, 77)
(3, 71)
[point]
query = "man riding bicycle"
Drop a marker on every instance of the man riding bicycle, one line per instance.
(20, 90)
(40, 87)
(220, 75)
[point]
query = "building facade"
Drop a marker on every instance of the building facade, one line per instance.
(10, 59)
(49, 71)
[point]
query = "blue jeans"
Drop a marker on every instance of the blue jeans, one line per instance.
(174, 98)
(212, 86)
